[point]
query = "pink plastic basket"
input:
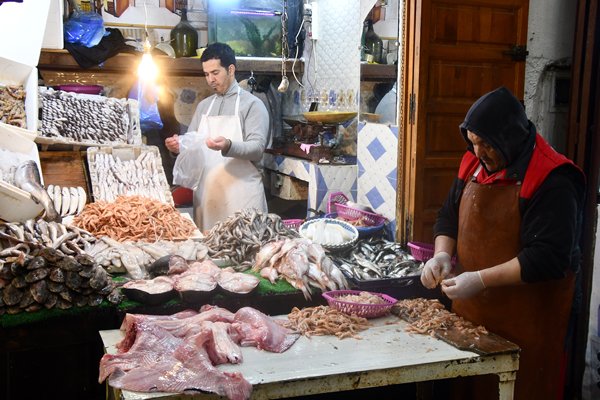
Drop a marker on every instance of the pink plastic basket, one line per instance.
(337, 204)
(423, 251)
(293, 223)
(359, 309)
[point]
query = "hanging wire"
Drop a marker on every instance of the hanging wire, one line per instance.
(146, 42)
(285, 50)
(297, 50)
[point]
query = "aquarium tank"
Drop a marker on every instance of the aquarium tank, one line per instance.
(253, 28)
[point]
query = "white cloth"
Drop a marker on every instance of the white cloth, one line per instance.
(227, 184)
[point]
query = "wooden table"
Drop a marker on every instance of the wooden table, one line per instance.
(386, 355)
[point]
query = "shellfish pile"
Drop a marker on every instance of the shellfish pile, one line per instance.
(12, 105)
(85, 118)
(44, 265)
(46, 278)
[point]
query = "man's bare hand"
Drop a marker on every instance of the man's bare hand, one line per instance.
(172, 144)
(218, 144)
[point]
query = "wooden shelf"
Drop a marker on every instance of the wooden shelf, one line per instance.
(61, 60)
(378, 72)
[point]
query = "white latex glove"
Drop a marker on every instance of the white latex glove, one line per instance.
(463, 286)
(436, 269)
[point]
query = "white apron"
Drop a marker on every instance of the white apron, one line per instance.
(227, 184)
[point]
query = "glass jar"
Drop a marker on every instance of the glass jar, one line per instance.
(184, 38)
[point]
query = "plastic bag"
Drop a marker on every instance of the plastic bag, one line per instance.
(85, 28)
(146, 93)
(189, 164)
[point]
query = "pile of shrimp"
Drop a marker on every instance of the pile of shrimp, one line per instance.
(134, 218)
(430, 317)
(324, 320)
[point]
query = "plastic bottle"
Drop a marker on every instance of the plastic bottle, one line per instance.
(184, 38)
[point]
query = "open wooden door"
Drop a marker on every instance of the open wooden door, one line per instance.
(454, 53)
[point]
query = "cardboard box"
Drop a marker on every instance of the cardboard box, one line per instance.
(288, 188)
(16, 205)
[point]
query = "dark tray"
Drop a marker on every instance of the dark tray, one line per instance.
(197, 296)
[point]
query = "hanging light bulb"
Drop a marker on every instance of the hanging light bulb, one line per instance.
(147, 70)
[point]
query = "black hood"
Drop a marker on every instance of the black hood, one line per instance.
(499, 118)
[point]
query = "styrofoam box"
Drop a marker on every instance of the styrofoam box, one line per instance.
(134, 133)
(126, 154)
(24, 23)
(16, 205)
(53, 36)
(15, 73)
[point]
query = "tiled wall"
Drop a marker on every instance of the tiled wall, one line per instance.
(378, 169)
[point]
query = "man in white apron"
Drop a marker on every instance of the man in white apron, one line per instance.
(235, 127)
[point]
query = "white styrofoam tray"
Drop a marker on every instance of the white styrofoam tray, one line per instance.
(16, 205)
(15, 73)
(53, 35)
(134, 132)
(24, 23)
(128, 153)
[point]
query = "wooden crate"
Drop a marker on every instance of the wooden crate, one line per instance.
(65, 168)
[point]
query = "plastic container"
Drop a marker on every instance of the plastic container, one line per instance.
(363, 231)
(408, 287)
(329, 246)
(77, 88)
(16, 205)
(423, 251)
(359, 309)
(293, 223)
(337, 203)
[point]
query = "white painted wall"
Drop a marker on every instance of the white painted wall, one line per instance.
(550, 41)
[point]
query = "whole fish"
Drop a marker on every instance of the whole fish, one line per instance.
(27, 177)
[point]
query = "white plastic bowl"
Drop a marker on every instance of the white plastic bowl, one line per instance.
(351, 230)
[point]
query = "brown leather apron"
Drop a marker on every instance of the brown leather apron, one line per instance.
(534, 316)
